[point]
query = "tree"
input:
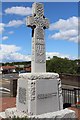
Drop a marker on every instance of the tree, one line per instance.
(62, 65)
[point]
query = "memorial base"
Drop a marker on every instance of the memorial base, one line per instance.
(39, 96)
(39, 93)
(61, 115)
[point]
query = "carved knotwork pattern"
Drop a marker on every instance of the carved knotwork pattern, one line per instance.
(32, 91)
(39, 33)
(40, 59)
(37, 19)
(59, 88)
(22, 95)
(38, 9)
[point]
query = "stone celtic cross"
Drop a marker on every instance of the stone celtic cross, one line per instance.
(38, 23)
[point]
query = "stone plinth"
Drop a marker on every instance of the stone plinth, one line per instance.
(39, 93)
(61, 115)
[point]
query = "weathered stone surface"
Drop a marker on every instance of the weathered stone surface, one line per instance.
(33, 76)
(2, 115)
(43, 91)
(38, 23)
(61, 115)
(66, 113)
(13, 112)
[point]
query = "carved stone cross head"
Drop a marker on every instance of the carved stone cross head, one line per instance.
(37, 19)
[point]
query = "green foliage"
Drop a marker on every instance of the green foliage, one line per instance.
(17, 63)
(63, 65)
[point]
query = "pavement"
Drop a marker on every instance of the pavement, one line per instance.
(7, 102)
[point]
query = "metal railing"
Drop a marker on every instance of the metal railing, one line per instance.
(71, 96)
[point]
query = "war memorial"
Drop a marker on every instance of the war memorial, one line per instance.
(39, 94)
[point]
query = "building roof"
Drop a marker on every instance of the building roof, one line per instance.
(7, 67)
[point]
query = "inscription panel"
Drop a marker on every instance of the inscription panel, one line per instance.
(45, 96)
(40, 52)
(22, 95)
(39, 45)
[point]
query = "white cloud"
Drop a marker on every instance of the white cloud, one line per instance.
(5, 38)
(12, 23)
(62, 24)
(19, 10)
(67, 29)
(2, 25)
(9, 48)
(11, 32)
(15, 23)
(71, 35)
(20, 57)
(51, 54)
(9, 53)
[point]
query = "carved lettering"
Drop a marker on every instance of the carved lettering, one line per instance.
(45, 96)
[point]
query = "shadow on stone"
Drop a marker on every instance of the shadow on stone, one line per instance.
(66, 105)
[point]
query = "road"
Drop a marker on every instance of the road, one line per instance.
(5, 80)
